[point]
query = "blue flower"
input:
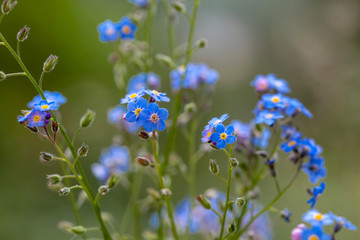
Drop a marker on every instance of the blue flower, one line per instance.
(268, 117)
(56, 97)
(116, 117)
(315, 218)
(140, 3)
(262, 140)
(216, 121)
(261, 83)
(289, 146)
(286, 214)
(316, 193)
(207, 75)
(115, 160)
(143, 81)
(289, 132)
(153, 80)
(176, 76)
(315, 169)
(23, 118)
(135, 108)
(37, 118)
(310, 148)
(132, 97)
(316, 233)
(279, 85)
(107, 31)
(342, 222)
(273, 101)
(294, 107)
(223, 136)
(126, 28)
(206, 133)
(154, 118)
(242, 131)
(158, 96)
(46, 106)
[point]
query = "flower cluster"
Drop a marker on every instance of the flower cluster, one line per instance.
(143, 81)
(124, 29)
(192, 76)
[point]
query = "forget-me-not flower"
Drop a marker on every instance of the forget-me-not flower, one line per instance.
(223, 136)
(315, 169)
(316, 192)
(154, 117)
(135, 108)
(107, 31)
(56, 97)
(157, 96)
(44, 106)
(126, 28)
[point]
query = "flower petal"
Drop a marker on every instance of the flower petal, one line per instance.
(221, 144)
(130, 117)
(229, 130)
(149, 126)
(230, 139)
(163, 113)
(220, 128)
(153, 107)
(215, 137)
(160, 125)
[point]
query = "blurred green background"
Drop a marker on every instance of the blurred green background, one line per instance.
(312, 44)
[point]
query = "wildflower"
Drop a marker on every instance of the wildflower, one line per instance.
(223, 136)
(242, 131)
(296, 232)
(292, 144)
(143, 81)
(342, 222)
(135, 108)
(310, 148)
(107, 31)
(115, 160)
(285, 214)
(126, 28)
(158, 96)
(316, 193)
(216, 121)
(116, 117)
(140, 3)
(46, 106)
(206, 74)
(289, 132)
(316, 233)
(294, 107)
(37, 118)
(268, 117)
(154, 118)
(206, 133)
(153, 80)
(132, 97)
(183, 216)
(56, 97)
(273, 101)
(176, 77)
(314, 217)
(279, 85)
(262, 140)
(315, 169)
(261, 83)
(24, 118)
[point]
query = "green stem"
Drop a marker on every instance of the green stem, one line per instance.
(223, 179)
(223, 220)
(75, 136)
(41, 79)
(162, 185)
(18, 48)
(170, 28)
(88, 191)
(191, 34)
(192, 159)
(15, 74)
(218, 214)
(2, 17)
(148, 26)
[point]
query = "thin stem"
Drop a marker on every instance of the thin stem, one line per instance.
(278, 188)
(18, 48)
(192, 159)
(15, 74)
(75, 161)
(170, 28)
(191, 33)
(41, 79)
(217, 213)
(2, 44)
(162, 185)
(2, 17)
(227, 195)
(223, 179)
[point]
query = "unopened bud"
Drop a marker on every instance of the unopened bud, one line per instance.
(234, 162)
(214, 168)
(165, 60)
(7, 6)
(55, 127)
(203, 201)
(143, 135)
(54, 179)
(153, 193)
(232, 227)
(179, 6)
(64, 191)
(240, 201)
(103, 189)
(46, 157)
(165, 192)
(2, 76)
(78, 230)
(32, 129)
(87, 119)
(50, 63)
(201, 43)
(65, 225)
(143, 161)
(83, 150)
(23, 34)
(190, 107)
(112, 181)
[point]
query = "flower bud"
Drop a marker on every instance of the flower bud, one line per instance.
(165, 192)
(232, 227)
(143, 161)
(214, 168)
(201, 43)
(203, 201)
(143, 135)
(50, 63)
(78, 230)
(83, 150)
(165, 60)
(46, 157)
(64, 191)
(87, 119)
(2, 76)
(240, 201)
(190, 107)
(7, 6)
(179, 6)
(153, 193)
(55, 127)
(234, 162)
(54, 179)
(103, 189)
(23, 34)
(112, 181)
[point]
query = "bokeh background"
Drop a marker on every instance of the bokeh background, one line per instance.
(315, 45)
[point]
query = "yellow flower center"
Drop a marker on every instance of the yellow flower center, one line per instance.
(313, 237)
(269, 115)
(275, 99)
(126, 29)
(134, 95)
(110, 31)
(223, 136)
(292, 143)
(318, 217)
(137, 111)
(154, 117)
(45, 106)
(37, 118)
(208, 134)
(155, 92)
